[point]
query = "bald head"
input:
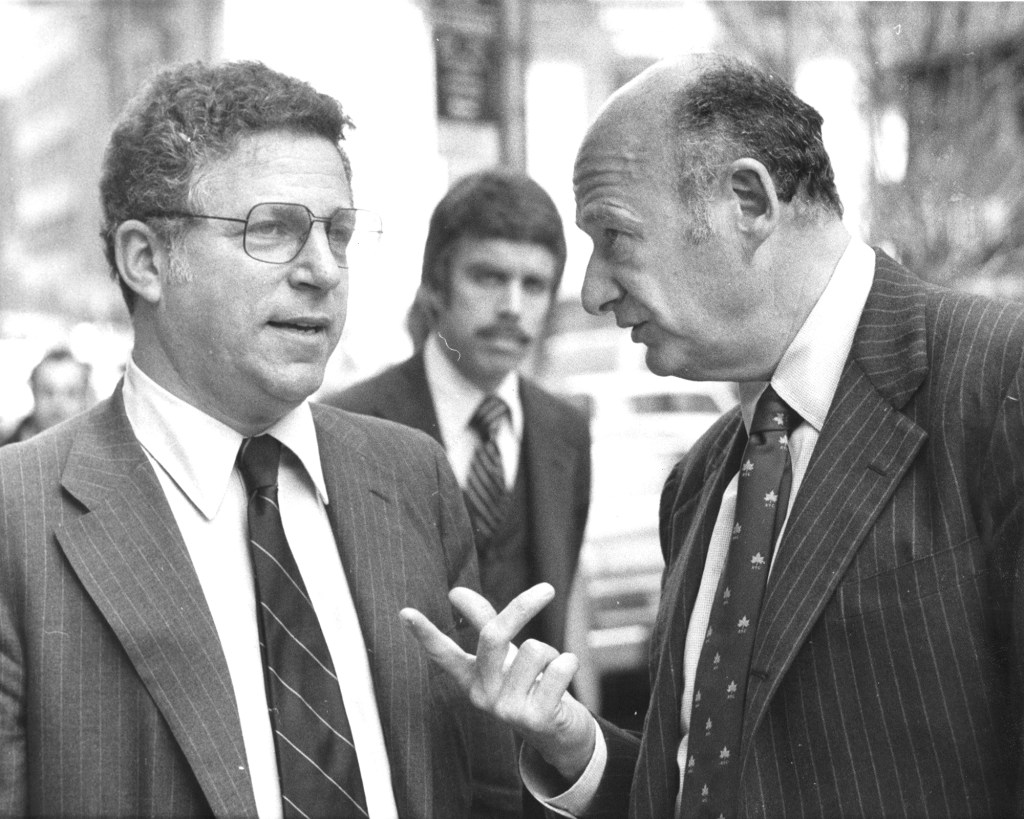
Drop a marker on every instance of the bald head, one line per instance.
(709, 198)
(692, 116)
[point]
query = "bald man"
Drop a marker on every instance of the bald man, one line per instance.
(867, 604)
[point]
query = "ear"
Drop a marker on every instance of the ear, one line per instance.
(142, 259)
(430, 300)
(756, 201)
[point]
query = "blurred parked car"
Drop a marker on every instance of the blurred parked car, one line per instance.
(641, 425)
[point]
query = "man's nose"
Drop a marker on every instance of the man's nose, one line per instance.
(317, 265)
(600, 291)
(512, 301)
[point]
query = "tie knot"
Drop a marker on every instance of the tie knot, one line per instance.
(772, 414)
(258, 459)
(488, 416)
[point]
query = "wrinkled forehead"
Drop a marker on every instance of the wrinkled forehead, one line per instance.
(276, 166)
(625, 145)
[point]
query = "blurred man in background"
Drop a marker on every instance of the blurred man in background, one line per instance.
(202, 575)
(493, 260)
(840, 630)
(61, 388)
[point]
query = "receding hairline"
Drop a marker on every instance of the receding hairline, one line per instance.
(650, 100)
(656, 89)
(211, 166)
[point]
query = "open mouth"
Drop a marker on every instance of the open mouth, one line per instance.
(299, 326)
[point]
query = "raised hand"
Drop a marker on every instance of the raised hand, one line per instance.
(525, 688)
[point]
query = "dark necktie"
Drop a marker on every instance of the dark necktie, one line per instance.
(712, 777)
(316, 758)
(487, 497)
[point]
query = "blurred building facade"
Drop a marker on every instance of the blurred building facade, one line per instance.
(938, 87)
(95, 55)
(963, 189)
(78, 64)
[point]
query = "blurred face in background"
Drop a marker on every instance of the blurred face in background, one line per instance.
(61, 390)
(499, 295)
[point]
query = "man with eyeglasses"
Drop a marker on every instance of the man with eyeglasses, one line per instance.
(202, 575)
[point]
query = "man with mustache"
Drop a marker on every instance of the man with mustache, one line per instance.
(493, 259)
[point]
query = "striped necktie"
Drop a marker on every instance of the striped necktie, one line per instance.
(316, 757)
(487, 497)
(712, 778)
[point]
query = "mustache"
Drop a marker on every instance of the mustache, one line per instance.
(505, 330)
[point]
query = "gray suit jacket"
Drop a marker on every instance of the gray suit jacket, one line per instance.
(556, 457)
(887, 670)
(115, 697)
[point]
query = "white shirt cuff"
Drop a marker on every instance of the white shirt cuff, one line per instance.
(540, 779)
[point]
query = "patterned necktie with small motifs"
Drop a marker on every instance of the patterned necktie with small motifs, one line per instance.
(487, 497)
(316, 757)
(712, 776)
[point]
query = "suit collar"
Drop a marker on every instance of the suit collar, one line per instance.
(357, 480)
(456, 398)
(405, 398)
(129, 556)
(196, 450)
(551, 458)
(890, 346)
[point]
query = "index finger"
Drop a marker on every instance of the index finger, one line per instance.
(440, 647)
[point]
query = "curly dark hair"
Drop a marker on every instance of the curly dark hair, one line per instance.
(188, 116)
(732, 109)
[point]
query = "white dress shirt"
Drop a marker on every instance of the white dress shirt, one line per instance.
(806, 378)
(455, 401)
(194, 456)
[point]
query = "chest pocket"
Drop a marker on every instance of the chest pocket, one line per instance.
(913, 582)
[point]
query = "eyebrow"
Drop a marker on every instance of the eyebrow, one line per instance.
(485, 266)
(602, 211)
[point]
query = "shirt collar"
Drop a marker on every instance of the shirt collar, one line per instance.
(808, 373)
(456, 398)
(196, 450)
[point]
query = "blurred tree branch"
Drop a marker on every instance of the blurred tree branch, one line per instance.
(953, 71)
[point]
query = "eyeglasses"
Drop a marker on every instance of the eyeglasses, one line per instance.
(276, 232)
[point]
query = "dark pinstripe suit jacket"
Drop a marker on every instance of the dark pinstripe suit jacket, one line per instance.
(115, 697)
(556, 457)
(886, 677)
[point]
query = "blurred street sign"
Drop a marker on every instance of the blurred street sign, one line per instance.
(467, 55)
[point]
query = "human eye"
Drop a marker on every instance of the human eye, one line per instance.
(612, 240)
(276, 223)
(536, 286)
(340, 231)
(488, 277)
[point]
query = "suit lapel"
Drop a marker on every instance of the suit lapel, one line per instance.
(865, 448)
(549, 462)
(128, 554)
(656, 781)
(362, 512)
(406, 399)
